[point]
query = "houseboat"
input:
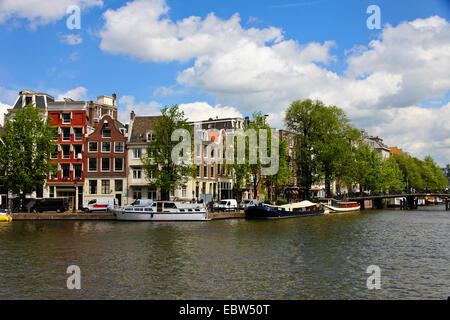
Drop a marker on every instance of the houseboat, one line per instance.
(298, 209)
(5, 216)
(158, 211)
(342, 206)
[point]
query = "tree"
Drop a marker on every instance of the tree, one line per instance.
(303, 118)
(283, 177)
(166, 174)
(25, 150)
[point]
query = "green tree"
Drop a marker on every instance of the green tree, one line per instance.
(303, 118)
(166, 174)
(283, 177)
(25, 150)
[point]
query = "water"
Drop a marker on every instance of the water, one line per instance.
(323, 257)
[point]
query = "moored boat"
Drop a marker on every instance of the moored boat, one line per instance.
(5, 216)
(342, 206)
(298, 209)
(158, 211)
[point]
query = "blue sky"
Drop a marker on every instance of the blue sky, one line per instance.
(300, 49)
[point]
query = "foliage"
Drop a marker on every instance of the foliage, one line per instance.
(158, 164)
(25, 150)
(284, 175)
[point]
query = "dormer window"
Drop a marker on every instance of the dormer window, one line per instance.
(150, 136)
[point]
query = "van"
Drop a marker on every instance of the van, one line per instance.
(249, 203)
(50, 204)
(101, 204)
(227, 204)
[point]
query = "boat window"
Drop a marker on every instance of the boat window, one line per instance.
(190, 210)
(181, 210)
(197, 209)
(170, 205)
(148, 209)
(138, 209)
(154, 205)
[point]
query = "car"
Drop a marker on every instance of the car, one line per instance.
(249, 203)
(50, 204)
(227, 204)
(101, 204)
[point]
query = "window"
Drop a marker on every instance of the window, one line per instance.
(106, 147)
(152, 194)
(205, 152)
(92, 166)
(105, 164)
(105, 187)
(118, 185)
(66, 134)
(118, 164)
(106, 133)
(137, 194)
(65, 151)
(52, 192)
(212, 153)
(78, 150)
(54, 176)
(119, 147)
(92, 186)
(199, 150)
(183, 192)
(150, 136)
(198, 171)
(65, 171)
(54, 154)
(78, 171)
(78, 134)
(205, 171)
(66, 117)
(137, 153)
(137, 174)
(212, 170)
(93, 147)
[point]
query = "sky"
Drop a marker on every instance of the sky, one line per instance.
(232, 58)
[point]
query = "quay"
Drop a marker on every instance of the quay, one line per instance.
(217, 215)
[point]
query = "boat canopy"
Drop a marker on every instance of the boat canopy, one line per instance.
(296, 205)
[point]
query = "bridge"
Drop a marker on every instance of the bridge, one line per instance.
(410, 203)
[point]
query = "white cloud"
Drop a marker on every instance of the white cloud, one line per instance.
(198, 111)
(3, 109)
(71, 39)
(79, 93)
(128, 104)
(258, 69)
(39, 12)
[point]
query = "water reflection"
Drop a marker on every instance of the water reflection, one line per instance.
(322, 257)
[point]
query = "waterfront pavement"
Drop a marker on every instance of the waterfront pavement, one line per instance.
(105, 216)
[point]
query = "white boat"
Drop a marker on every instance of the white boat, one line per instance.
(341, 206)
(157, 211)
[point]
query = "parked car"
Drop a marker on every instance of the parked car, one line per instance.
(249, 203)
(51, 204)
(101, 204)
(227, 204)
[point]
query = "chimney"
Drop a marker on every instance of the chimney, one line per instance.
(114, 96)
(132, 116)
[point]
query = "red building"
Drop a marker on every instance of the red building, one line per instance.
(70, 117)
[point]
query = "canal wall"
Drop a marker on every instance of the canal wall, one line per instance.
(218, 215)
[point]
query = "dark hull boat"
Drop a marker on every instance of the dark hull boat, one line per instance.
(300, 209)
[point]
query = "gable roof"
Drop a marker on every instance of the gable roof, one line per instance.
(140, 127)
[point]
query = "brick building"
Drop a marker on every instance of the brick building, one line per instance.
(70, 118)
(106, 161)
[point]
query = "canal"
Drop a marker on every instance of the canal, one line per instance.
(323, 257)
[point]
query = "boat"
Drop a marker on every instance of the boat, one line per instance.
(430, 200)
(5, 216)
(342, 206)
(158, 211)
(292, 210)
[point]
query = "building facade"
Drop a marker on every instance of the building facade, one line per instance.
(70, 118)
